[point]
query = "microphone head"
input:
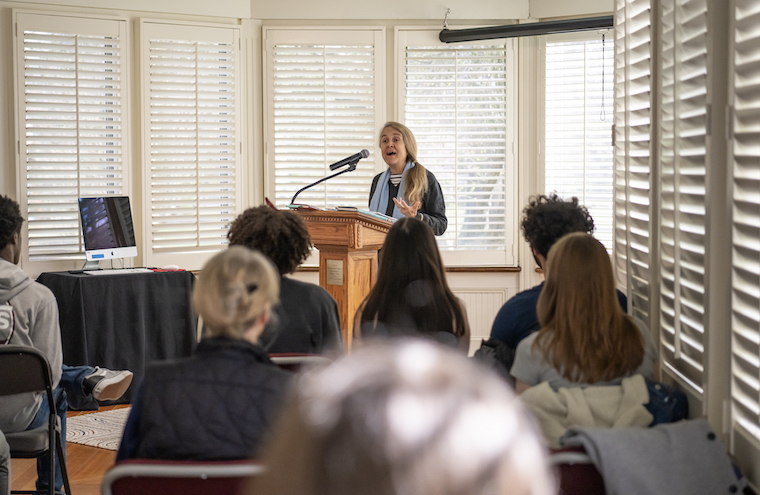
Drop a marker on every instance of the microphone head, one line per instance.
(364, 153)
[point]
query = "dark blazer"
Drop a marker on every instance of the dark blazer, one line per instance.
(432, 209)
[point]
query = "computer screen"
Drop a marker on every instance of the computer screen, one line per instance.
(107, 227)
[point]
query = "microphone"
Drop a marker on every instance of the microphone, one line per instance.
(352, 158)
(351, 161)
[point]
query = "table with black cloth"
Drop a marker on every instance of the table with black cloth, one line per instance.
(123, 321)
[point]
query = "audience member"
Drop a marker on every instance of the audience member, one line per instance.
(306, 319)
(585, 337)
(216, 404)
(545, 220)
(411, 295)
(5, 466)
(407, 417)
(29, 316)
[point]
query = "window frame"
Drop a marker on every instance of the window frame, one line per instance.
(576, 37)
(58, 261)
(306, 34)
(475, 258)
(195, 258)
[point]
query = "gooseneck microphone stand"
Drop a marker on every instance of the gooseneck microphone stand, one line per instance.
(351, 168)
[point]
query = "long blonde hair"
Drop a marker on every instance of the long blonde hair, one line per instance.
(234, 288)
(584, 333)
(416, 182)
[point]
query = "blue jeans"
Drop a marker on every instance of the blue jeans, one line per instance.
(71, 383)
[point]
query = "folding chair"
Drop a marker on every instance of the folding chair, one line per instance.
(25, 369)
(294, 361)
(576, 473)
(159, 477)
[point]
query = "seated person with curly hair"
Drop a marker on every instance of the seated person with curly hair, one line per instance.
(306, 319)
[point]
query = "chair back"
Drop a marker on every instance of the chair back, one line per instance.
(23, 369)
(26, 369)
(294, 361)
(159, 477)
(576, 473)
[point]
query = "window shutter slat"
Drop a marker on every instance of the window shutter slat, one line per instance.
(745, 321)
(683, 187)
(633, 169)
(578, 129)
(73, 114)
(193, 144)
(456, 105)
(323, 99)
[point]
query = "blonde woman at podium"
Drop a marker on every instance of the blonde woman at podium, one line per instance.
(406, 188)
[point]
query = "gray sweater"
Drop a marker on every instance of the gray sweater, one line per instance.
(35, 312)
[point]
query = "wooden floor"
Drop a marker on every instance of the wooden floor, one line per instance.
(86, 465)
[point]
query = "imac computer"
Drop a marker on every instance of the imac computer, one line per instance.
(107, 229)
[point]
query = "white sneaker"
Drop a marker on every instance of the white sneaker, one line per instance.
(105, 384)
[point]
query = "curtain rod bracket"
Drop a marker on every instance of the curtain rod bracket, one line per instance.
(446, 19)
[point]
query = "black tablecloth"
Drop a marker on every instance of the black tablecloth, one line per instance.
(123, 321)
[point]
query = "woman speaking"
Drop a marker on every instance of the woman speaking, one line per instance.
(406, 188)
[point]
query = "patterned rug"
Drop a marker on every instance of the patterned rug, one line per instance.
(99, 429)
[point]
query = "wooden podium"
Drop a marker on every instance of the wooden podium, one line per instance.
(348, 242)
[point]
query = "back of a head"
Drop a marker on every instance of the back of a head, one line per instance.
(10, 220)
(410, 253)
(280, 235)
(583, 329)
(547, 218)
(583, 270)
(411, 294)
(233, 289)
(408, 418)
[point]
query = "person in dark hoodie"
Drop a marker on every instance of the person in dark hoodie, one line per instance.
(29, 316)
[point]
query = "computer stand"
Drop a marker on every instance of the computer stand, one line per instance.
(91, 265)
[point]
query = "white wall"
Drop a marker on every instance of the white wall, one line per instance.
(461, 10)
(389, 9)
(541, 9)
(240, 9)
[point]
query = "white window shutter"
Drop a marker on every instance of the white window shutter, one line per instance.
(745, 322)
(73, 124)
(683, 173)
(633, 165)
(459, 100)
(578, 158)
(325, 97)
(191, 129)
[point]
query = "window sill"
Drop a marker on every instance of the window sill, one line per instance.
(449, 269)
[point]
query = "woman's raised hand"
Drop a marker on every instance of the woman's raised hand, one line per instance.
(405, 209)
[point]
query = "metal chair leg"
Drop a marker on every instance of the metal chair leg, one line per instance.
(62, 463)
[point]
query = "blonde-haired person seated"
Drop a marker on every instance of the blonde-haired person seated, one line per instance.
(403, 417)
(218, 403)
(585, 337)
